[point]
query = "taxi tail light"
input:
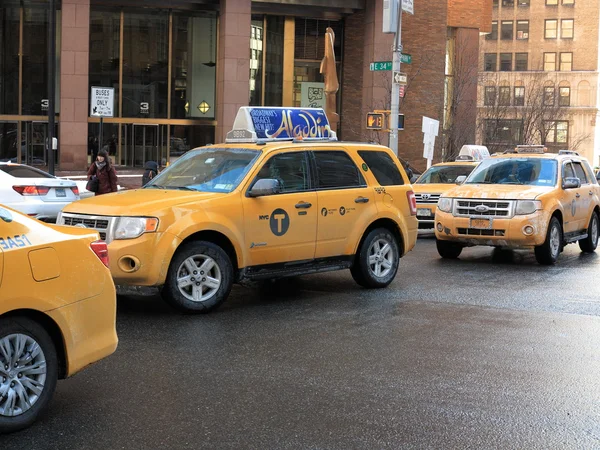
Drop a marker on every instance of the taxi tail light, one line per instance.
(412, 202)
(31, 190)
(101, 250)
(75, 190)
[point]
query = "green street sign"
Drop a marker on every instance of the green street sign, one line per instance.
(387, 65)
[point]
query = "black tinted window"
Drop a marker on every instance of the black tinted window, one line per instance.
(336, 170)
(24, 172)
(383, 168)
(580, 173)
(291, 169)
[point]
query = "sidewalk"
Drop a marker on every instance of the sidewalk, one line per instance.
(128, 178)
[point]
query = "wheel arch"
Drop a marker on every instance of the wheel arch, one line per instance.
(388, 224)
(53, 331)
(217, 238)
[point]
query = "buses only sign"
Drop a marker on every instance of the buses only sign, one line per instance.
(103, 101)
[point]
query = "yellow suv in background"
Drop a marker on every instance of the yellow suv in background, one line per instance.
(525, 199)
(282, 197)
(57, 311)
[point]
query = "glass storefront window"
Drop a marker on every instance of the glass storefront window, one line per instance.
(257, 37)
(274, 61)
(104, 50)
(8, 141)
(185, 138)
(35, 60)
(194, 66)
(145, 64)
(9, 62)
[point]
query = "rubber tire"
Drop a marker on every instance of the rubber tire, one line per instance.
(23, 325)
(543, 253)
(586, 245)
(361, 271)
(170, 291)
(448, 250)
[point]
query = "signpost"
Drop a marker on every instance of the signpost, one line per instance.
(400, 78)
(387, 65)
(102, 105)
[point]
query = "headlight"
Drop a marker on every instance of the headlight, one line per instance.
(527, 206)
(445, 204)
(132, 227)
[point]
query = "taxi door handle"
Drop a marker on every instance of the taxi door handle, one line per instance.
(577, 195)
(361, 200)
(303, 205)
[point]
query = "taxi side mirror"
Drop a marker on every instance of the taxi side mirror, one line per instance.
(265, 186)
(571, 183)
(460, 179)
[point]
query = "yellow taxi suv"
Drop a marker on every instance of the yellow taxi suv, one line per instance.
(524, 199)
(281, 197)
(442, 177)
(57, 311)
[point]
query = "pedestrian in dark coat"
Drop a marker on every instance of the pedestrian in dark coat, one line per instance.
(150, 171)
(105, 172)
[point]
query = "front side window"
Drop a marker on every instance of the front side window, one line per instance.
(444, 174)
(506, 31)
(568, 171)
(522, 29)
(519, 96)
(579, 172)
(490, 96)
(549, 62)
(290, 169)
(506, 62)
(526, 171)
(383, 168)
(207, 170)
(336, 170)
(550, 29)
(490, 62)
(566, 62)
(564, 96)
(566, 28)
(504, 96)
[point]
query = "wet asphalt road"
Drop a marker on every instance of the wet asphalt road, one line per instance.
(490, 351)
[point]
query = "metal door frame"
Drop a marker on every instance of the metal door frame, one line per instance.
(156, 146)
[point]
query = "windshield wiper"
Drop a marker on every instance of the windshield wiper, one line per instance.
(157, 186)
(183, 188)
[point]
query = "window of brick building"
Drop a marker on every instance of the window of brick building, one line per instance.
(566, 28)
(521, 60)
(523, 3)
(549, 62)
(557, 131)
(490, 96)
(495, 3)
(494, 33)
(549, 96)
(551, 29)
(509, 3)
(506, 31)
(551, 2)
(504, 96)
(490, 62)
(519, 99)
(564, 96)
(522, 29)
(568, 2)
(505, 62)
(566, 62)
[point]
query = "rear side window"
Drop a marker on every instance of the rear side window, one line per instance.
(336, 170)
(24, 172)
(580, 173)
(383, 168)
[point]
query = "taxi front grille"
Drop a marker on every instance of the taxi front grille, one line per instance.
(483, 208)
(427, 198)
(478, 232)
(102, 224)
(89, 223)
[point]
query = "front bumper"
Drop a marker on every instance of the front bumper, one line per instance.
(88, 328)
(504, 232)
(426, 217)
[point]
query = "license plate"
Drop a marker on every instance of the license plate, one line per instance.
(481, 224)
(60, 192)
(423, 212)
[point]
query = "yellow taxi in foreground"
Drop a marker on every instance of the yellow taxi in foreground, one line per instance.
(57, 311)
(525, 199)
(264, 205)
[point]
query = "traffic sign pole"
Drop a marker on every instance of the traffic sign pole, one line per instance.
(395, 100)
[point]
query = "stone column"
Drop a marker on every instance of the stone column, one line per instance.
(233, 66)
(74, 80)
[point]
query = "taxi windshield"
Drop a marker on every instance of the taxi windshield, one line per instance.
(527, 171)
(444, 174)
(207, 170)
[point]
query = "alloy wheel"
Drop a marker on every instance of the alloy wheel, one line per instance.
(199, 278)
(381, 258)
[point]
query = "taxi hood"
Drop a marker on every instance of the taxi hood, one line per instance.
(433, 188)
(498, 191)
(138, 202)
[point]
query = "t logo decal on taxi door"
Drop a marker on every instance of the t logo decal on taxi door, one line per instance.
(279, 222)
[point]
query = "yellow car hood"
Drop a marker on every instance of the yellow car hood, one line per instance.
(139, 202)
(498, 191)
(432, 188)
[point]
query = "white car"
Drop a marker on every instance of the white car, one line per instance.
(34, 192)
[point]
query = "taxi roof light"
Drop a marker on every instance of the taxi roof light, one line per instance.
(271, 124)
(532, 149)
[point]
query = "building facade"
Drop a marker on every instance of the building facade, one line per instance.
(539, 76)
(181, 69)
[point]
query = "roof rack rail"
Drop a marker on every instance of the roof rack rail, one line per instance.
(568, 152)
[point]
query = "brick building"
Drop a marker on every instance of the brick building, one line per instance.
(180, 69)
(539, 76)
